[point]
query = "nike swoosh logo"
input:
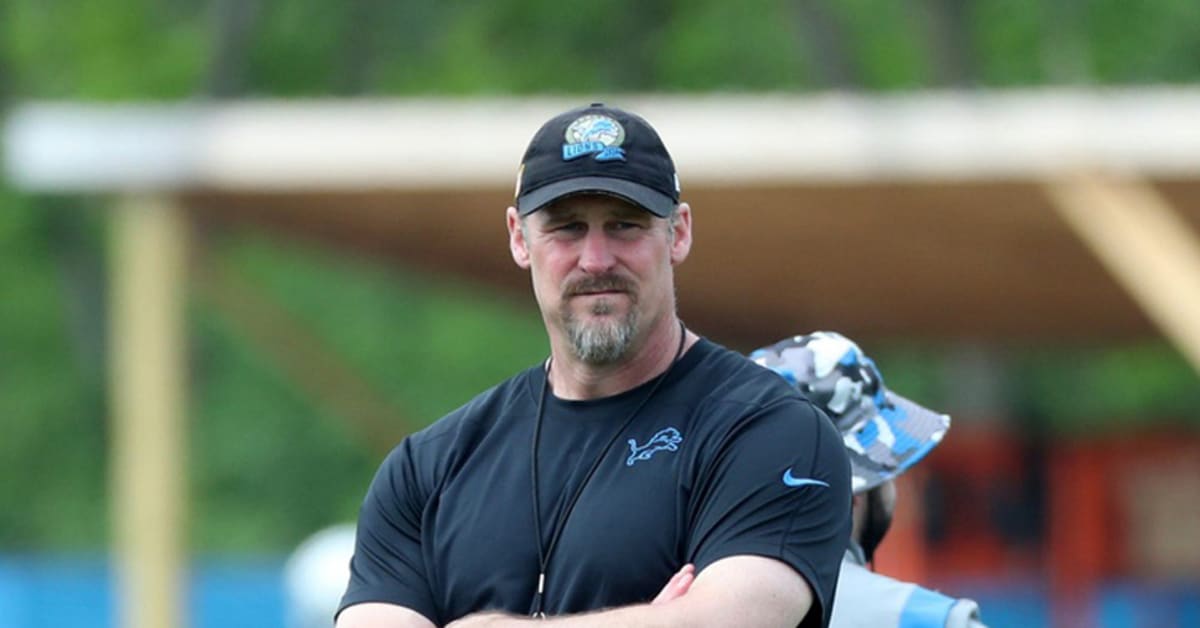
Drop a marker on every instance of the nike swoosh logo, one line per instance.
(792, 480)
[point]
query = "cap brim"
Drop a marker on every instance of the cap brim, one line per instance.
(893, 440)
(649, 199)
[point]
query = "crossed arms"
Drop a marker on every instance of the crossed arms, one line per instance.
(750, 591)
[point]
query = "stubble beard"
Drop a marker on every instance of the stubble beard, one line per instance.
(604, 341)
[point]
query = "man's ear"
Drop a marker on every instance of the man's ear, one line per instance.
(516, 238)
(681, 243)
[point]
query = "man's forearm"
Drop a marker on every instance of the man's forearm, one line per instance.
(690, 612)
(750, 592)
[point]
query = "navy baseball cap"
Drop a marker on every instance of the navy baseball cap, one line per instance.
(884, 434)
(598, 150)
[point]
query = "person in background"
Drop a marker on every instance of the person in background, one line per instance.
(885, 435)
(315, 576)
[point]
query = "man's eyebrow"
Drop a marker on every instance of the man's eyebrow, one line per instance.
(631, 213)
(557, 213)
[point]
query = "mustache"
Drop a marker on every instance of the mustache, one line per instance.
(598, 283)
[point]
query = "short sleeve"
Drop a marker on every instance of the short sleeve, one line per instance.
(388, 564)
(777, 485)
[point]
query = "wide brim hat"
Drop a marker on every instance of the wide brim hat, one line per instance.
(885, 434)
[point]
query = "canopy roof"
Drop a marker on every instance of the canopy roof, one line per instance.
(923, 216)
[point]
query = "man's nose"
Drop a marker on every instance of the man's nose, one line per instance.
(596, 255)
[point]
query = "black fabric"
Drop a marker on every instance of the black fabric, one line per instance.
(446, 527)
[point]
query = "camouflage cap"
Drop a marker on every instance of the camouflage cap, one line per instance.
(884, 433)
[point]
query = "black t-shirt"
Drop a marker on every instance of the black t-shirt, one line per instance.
(724, 459)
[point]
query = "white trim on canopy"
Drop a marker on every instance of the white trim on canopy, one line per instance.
(721, 139)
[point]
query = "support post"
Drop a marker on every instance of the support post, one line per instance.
(147, 463)
(1152, 252)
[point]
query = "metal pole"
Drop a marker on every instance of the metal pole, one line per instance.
(147, 399)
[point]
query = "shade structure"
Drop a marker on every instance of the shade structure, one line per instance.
(923, 216)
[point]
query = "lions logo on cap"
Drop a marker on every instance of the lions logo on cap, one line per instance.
(596, 134)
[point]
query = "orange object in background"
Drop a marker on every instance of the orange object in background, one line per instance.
(1070, 516)
(1080, 541)
(984, 513)
(903, 553)
(963, 513)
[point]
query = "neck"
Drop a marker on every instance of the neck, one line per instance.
(571, 378)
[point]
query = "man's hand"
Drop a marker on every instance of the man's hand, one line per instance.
(735, 591)
(677, 586)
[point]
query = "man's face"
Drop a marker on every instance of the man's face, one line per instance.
(602, 270)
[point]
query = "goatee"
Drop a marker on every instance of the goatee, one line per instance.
(604, 341)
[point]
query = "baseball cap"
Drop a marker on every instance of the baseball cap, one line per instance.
(598, 150)
(884, 434)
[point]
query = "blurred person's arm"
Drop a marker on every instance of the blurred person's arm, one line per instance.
(964, 614)
(744, 591)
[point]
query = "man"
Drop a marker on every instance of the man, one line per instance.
(638, 462)
(884, 434)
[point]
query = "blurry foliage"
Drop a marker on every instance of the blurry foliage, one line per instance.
(700, 53)
(1063, 390)
(1004, 27)
(51, 412)
(426, 346)
(121, 49)
(269, 463)
(267, 467)
(109, 50)
(888, 43)
(1133, 40)
(270, 466)
(1090, 391)
(294, 50)
(426, 342)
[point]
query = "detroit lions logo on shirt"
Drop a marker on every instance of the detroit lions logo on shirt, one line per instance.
(666, 439)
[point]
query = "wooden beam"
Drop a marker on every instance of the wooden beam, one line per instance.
(148, 472)
(1143, 242)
